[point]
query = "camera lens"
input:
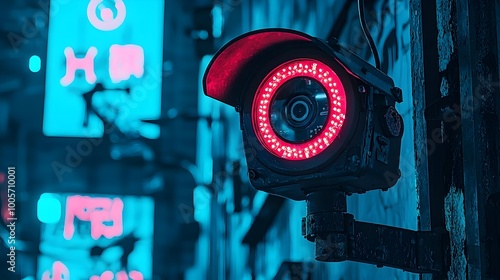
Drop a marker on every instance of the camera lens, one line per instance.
(299, 110)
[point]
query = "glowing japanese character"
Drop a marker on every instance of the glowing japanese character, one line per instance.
(122, 275)
(104, 214)
(59, 272)
(106, 275)
(73, 63)
(106, 22)
(125, 61)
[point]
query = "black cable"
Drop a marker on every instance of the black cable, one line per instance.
(368, 36)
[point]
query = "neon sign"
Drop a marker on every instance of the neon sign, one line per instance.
(117, 44)
(125, 61)
(98, 211)
(96, 238)
(122, 275)
(60, 272)
(107, 21)
(73, 64)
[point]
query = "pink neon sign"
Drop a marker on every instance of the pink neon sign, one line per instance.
(107, 21)
(125, 61)
(61, 272)
(104, 214)
(122, 275)
(73, 63)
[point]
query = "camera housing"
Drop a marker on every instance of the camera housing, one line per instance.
(313, 114)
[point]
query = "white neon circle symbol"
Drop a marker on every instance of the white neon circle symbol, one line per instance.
(107, 22)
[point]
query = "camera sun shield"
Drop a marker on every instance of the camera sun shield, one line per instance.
(224, 73)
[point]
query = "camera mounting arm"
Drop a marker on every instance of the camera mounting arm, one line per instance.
(338, 237)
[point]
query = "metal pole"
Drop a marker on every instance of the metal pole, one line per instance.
(480, 99)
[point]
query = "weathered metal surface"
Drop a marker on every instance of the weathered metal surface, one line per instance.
(493, 235)
(479, 93)
(435, 65)
(338, 238)
(414, 251)
(455, 224)
(419, 87)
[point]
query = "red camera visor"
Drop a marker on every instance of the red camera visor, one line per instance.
(228, 62)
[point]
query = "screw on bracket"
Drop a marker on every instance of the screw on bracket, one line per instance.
(334, 43)
(252, 174)
(397, 93)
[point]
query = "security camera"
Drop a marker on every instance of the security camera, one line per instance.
(318, 123)
(313, 114)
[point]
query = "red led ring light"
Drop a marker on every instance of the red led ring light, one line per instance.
(309, 68)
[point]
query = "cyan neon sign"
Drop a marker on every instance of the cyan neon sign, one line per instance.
(104, 63)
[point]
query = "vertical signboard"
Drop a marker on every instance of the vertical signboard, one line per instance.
(104, 65)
